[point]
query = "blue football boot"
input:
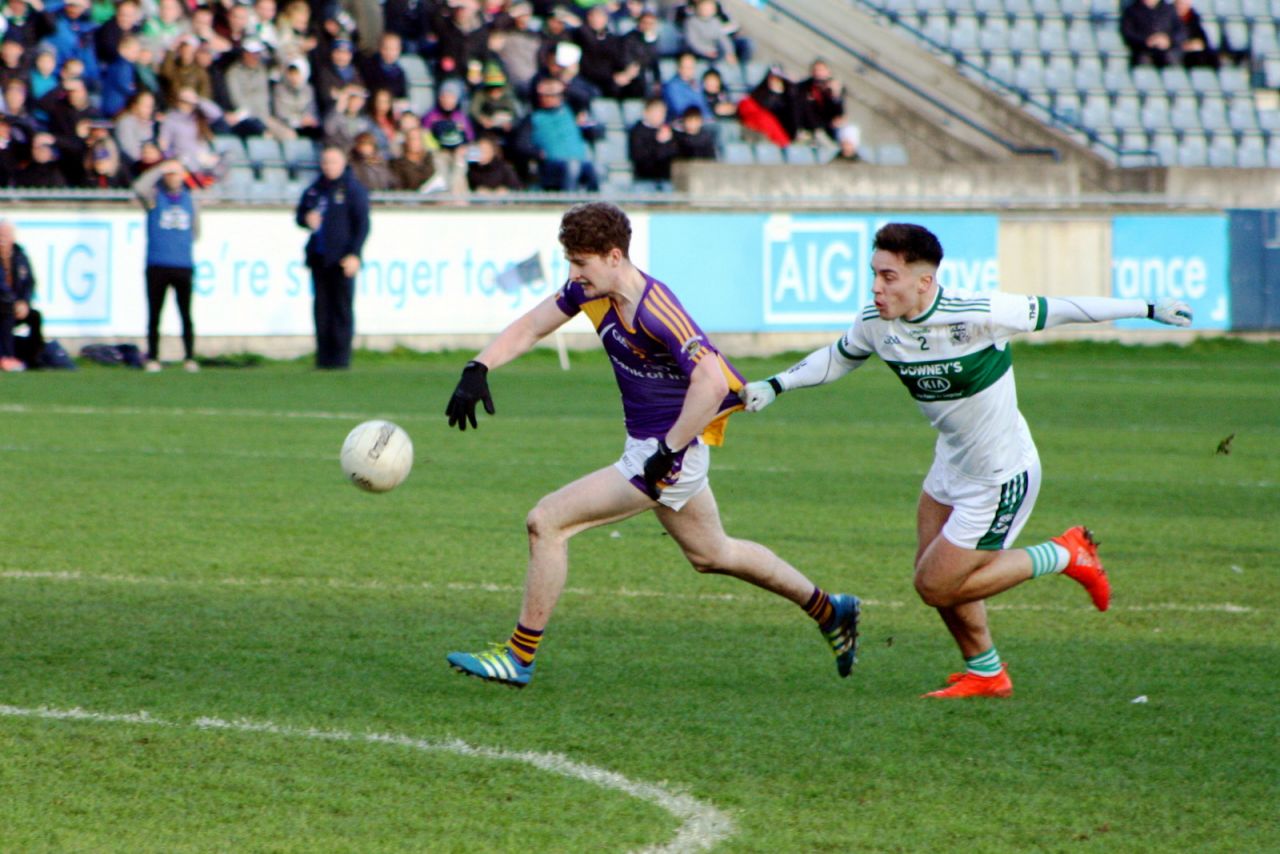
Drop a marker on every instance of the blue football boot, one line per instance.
(842, 632)
(496, 664)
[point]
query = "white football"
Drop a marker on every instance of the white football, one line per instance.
(377, 456)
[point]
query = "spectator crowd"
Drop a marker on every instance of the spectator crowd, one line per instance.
(95, 92)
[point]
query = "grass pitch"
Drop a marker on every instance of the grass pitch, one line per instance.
(256, 649)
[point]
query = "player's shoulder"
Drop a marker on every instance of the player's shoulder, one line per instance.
(964, 302)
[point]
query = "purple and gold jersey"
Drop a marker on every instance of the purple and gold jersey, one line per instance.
(654, 358)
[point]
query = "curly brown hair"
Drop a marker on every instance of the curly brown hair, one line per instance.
(593, 228)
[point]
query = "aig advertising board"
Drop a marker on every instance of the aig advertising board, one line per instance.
(450, 271)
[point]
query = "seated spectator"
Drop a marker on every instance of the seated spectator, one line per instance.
(494, 108)
(136, 124)
(335, 75)
(13, 59)
(562, 64)
(12, 153)
(1197, 50)
(179, 70)
(718, 99)
(382, 70)
(682, 90)
(822, 101)
(601, 54)
(564, 163)
(462, 36)
(235, 25)
(773, 108)
(368, 164)
(410, 20)
(161, 31)
(42, 171)
(448, 114)
(44, 72)
(206, 33)
(849, 137)
(73, 38)
(705, 34)
(641, 49)
(17, 288)
(651, 145)
(186, 134)
(26, 23)
(348, 119)
(72, 121)
(17, 109)
(126, 21)
(488, 171)
(694, 139)
(517, 46)
(384, 113)
(104, 168)
(1153, 33)
(120, 76)
(742, 46)
(293, 101)
(295, 35)
(248, 85)
(262, 26)
(415, 166)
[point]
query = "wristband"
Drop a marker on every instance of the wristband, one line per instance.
(1151, 311)
(664, 448)
(775, 385)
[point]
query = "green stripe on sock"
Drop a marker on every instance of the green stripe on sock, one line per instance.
(984, 663)
(1046, 559)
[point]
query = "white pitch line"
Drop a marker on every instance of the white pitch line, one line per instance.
(512, 589)
(702, 826)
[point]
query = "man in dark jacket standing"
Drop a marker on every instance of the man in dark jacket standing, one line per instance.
(17, 285)
(336, 211)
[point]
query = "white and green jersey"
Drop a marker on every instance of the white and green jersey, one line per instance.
(954, 360)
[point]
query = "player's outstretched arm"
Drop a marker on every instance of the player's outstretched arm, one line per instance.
(1060, 310)
(517, 339)
(818, 368)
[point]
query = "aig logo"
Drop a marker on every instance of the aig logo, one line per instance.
(815, 269)
(935, 385)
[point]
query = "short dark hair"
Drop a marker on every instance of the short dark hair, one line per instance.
(594, 228)
(913, 242)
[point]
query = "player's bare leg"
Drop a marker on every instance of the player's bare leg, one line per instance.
(967, 622)
(697, 528)
(599, 498)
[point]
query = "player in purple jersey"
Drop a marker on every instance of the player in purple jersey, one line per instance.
(677, 393)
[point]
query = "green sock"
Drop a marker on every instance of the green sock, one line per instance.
(1048, 558)
(984, 663)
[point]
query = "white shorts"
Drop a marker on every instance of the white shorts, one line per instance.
(690, 479)
(984, 516)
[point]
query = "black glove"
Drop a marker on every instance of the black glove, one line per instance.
(657, 467)
(472, 387)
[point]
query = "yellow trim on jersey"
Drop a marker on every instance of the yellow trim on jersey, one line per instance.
(713, 433)
(673, 317)
(596, 309)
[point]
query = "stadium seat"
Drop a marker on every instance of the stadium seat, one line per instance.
(1213, 114)
(1269, 121)
(767, 153)
(1184, 114)
(612, 148)
(891, 154)
(1233, 80)
(1155, 112)
(1059, 73)
(607, 112)
(275, 176)
(1205, 81)
(801, 155)
(1222, 151)
(1241, 114)
(1146, 79)
(1000, 66)
(231, 148)
(1077, 10)
(993, 35)
(300, 152)
(1133, 140)
(265, 151)
(1125, 113)
(1193, 150)
(1237, 34)
(1019, 8)
(1165, 145)
(1255, 9)
(1046, 9)
(730, 130)
(421, 99)
(1088, 75)
(1067, 105)
(1052, 37)
(415, 69)
(1117, 80)
(238, 178)
(1096, 112)
(1251, 153)
(935, 28)
(1175, 79)
(1029, 75)
(1080, 39)
(1109, 41)
(1273, 153)
(1023, 38)
(963, 36)
(632, 111)
(738, 153)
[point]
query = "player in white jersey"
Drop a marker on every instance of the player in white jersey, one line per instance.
(952, 353)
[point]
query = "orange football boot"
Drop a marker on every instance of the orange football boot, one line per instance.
(1085, 566)
(972, 685)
